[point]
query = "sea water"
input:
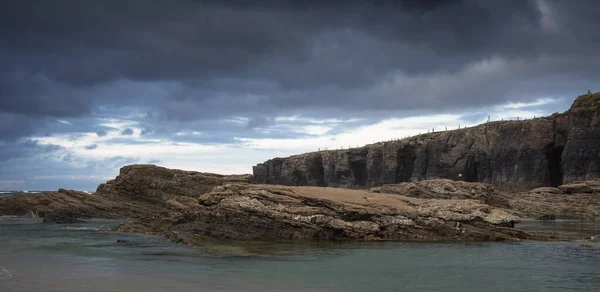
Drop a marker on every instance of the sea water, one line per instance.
(84, 257)
(6, 193)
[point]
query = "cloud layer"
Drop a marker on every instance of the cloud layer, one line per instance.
(138, 79)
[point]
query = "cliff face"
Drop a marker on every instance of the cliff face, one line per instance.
(511, 155)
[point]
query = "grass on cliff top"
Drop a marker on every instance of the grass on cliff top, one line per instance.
(587, 101)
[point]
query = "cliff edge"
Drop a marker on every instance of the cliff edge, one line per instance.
(510, 155)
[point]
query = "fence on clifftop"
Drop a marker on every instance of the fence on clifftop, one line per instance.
(445, 129)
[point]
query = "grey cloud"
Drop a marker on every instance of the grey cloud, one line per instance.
(199, 64)
(226, 58)
(14, 126)
(258, 122)
(91, 147)
(24, 148)
(127, 132)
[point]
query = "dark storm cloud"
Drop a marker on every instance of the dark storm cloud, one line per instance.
(13, 126)
(208, 60)
(24, 148)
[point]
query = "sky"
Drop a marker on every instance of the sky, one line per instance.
(87, 87)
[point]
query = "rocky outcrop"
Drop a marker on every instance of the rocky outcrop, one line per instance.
(264, 212)
(139, 191)
(188, 206)
(581, 187)
(62, 218)
(578, 201)
(448, 189)
(74, 203)
(511, 155)
(160, 185)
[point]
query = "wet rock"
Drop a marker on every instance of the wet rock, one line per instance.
(62, 218)
(546, 217)
(589, 245)
(31, 214)
(122, 241)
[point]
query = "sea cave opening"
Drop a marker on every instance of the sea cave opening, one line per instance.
(554, 155)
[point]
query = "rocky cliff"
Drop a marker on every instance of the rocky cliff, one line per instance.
(511, 155)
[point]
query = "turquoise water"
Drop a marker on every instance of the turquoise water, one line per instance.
(84, 258)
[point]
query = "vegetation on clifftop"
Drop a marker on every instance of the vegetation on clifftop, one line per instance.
(587, 101)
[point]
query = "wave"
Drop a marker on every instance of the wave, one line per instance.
(100, 228)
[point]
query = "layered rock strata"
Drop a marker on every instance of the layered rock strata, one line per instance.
(264, 212)
(511, 155)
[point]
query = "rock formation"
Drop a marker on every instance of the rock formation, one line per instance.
(140, 191)
(158, 185)
(580, 200)
(185, 206)
(264, 212)
(448, 189)
(511, 155)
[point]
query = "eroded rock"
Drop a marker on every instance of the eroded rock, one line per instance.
(265, 212)
(447, 189)
(511, 155)
(567, 201)
(582, 187)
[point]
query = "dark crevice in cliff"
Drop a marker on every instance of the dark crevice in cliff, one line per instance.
(555, 172)
(359, 170)
(472, 170)
(319, 171)
(405, 159)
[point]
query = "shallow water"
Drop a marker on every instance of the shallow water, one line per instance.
(84, 258)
